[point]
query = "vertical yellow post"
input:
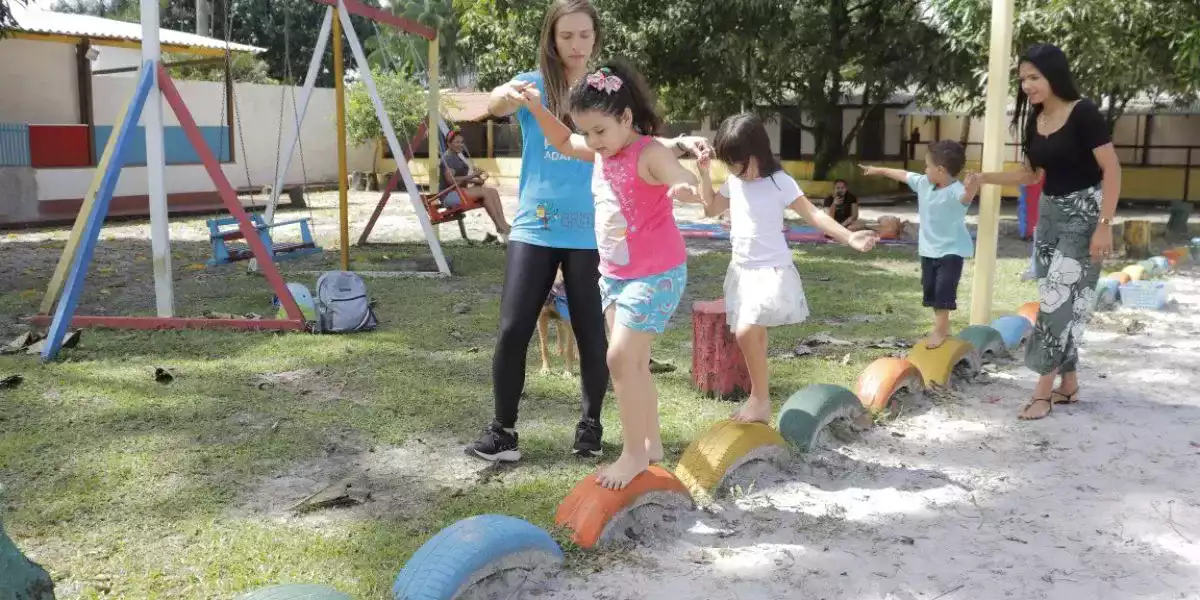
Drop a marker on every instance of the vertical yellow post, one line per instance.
(491, 138)
(993, 161)
(434, 115)
(343, 185)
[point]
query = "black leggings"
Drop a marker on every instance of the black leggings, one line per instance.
(528, 275)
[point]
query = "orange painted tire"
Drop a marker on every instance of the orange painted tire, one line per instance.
(879, 383)
(1029, 310)
(591, 510)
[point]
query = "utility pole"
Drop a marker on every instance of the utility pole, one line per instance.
(204, 18)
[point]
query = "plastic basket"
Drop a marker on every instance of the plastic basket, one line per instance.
(1144, 294)
(1195, 248)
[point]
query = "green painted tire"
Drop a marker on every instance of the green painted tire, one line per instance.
(809, 412)
(296, 591)
(987, 341)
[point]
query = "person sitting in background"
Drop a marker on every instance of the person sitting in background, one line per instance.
(843, 207)
(458, 170)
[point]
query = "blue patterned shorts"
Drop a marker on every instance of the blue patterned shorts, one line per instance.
(645, 303)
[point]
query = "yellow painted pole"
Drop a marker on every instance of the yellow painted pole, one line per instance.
(434, 115)
(68, 255)
(999, 60)
(343, 185)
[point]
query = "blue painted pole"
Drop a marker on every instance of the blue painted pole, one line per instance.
(65, 310)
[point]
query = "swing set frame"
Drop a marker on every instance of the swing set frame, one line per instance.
(154, 85)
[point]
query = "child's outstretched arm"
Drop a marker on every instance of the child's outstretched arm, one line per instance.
(555, 131)
(859, 240)
(715, 202)
(898, 175)
(664, 169)
(974, 181)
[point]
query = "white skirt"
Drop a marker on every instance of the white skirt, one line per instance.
(767, 296)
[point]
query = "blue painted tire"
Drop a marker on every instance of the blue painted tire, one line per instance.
(1014, 329)
(462, 554)
(296, 591)
(1161, 263)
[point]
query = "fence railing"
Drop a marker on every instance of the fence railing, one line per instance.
(14, 145)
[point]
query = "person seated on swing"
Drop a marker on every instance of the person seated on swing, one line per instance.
(457, 170)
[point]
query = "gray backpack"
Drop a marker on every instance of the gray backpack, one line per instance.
(342, 304)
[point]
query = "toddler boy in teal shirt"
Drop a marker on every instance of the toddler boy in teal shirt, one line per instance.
(944, 243)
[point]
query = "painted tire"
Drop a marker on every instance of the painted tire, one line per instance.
(1121, 277)
(296, 591)
(1107, 289)
(1029, 310)
(987, 341)
(880, 383)
(940, 364)
(595, 514)
(1135, 272)
(471, 550)
(809, 412)
(1013, 329)
(716, 455)
(1161, 264)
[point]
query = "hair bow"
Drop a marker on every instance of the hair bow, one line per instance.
(604, 83)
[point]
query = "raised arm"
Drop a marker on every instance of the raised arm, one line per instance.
(507, 98)
(898, 175)
(555, 131)
(714, 201)
(1027, 175)
(664, 169)
(861, 241)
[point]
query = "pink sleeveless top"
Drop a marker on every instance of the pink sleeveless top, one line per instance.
(635, 225)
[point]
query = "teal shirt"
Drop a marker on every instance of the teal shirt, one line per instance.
(943, 218)
(555, 207)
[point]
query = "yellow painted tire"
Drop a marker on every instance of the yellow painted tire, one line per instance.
(954, 356)
(727, 446)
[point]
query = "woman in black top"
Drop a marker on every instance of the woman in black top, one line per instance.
(1064, 137)
(461, 173)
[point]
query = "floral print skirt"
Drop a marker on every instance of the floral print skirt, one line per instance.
(1066, 279)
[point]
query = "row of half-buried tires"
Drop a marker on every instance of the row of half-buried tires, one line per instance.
(481, 556)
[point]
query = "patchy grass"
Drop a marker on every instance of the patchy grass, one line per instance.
(122, 486)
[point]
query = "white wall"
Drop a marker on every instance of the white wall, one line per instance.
(47, 94)
(38, 82)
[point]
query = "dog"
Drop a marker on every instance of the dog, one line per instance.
(555, 308)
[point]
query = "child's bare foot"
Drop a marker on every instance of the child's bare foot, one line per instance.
(936, 340)
(618, 475)
(654, 451)
(754, 410)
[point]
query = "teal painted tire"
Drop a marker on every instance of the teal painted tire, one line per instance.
(988, 342)
(296, 591)
(806, 416)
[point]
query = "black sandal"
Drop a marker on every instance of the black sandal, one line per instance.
(1066, 398)
(1049, 409)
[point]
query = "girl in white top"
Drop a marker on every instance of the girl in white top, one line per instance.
(762, 286)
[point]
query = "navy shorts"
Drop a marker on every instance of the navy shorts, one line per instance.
(939, 280)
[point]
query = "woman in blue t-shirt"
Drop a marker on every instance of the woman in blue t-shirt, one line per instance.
(553, 229)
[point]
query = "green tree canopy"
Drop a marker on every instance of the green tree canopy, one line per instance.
(404, 98)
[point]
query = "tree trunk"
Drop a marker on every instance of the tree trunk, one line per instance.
(718, 367)
(828, 139)
(965, 136)
(21, 578)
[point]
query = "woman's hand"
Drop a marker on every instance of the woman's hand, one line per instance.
(1101, 247)
(863, 240)
(684, 192)
(529, 95)
(869, 171)
(696, 145)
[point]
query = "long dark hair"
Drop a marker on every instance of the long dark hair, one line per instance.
(742, 137)
(1053, 64)
(554, 72)
(599, 92)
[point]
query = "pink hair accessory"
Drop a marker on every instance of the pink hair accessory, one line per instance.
(604, 83)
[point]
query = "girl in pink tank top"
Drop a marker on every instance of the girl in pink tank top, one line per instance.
(643, 260)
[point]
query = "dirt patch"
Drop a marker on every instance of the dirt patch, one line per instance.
(400, 482)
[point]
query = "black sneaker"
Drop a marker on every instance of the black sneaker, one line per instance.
(587, 439)
(496, 445)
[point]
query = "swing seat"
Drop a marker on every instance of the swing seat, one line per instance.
(223, 253)
(439, 213)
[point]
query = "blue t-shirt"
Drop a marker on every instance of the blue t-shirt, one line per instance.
(555, 207)
(943, 218)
